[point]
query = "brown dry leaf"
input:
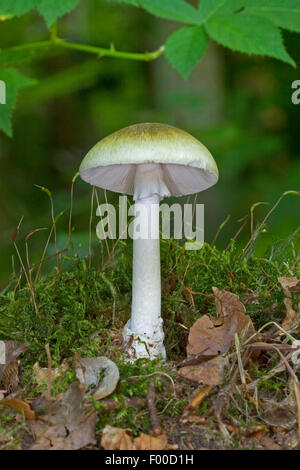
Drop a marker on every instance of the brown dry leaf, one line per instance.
(289, 285)
(210, 339)
(200, 397)
(42, 376)
(9, 371)
(208, 373)
(57, 437)
(116, 438)
(69, 428)
(279, 414)
(290, 316)
(20, 406)
(146, 442)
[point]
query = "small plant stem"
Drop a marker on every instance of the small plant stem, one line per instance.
(47, 347)
(54, 41)
(219, 230)
(70, 242)
(100, 242)
(29, 280)
(53, 32)
(90, 226)
(43, 255)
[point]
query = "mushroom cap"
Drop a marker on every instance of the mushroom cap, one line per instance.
(187, 165)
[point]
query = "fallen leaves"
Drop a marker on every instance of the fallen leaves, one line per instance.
(116, 438)
(69, 427)
(9, 370)
(290, 285)
(146, 442)
(212, 337)
(120, 439)
(19, 405)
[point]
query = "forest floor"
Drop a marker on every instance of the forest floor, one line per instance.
(231, 380)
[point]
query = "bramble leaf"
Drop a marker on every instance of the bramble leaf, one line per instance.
(175, 10)
(130, 2)
(51, 10)
(17, 7)
(185, 47)
(284, 13)
(248, 34)
(207, 8)
(14, 81)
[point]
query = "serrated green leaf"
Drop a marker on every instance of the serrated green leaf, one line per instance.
(185, 47)
(248, 34)
(207, 8)
(51, 10)
(284, 13)
(14, 81)
(17, 7)
(232, 6)
(175, 10)
(129, 2)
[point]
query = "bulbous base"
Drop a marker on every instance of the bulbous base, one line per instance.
(137, 346)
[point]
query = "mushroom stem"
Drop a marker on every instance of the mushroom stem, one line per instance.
(144, 329)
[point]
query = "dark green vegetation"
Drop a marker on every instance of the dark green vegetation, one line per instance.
(82, 309)
(239, 106)
(78, 308)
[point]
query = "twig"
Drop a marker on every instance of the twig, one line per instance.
(49, 380)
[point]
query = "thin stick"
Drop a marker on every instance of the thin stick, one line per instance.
(49, 380)
(219, 230)
(90, 227)
(70, 242)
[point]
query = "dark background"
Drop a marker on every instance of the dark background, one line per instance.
(238, 106)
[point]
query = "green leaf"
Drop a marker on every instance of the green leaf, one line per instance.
(207, 8)
(17, 7)
(130, 2)
(175, 10)
(14, 81)
(284, 13)
(51, 10)
(232, 6)
(249, 34)
(185, 47)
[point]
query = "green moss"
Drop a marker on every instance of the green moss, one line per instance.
(77, 308)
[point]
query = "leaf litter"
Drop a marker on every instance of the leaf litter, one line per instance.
(234, 382)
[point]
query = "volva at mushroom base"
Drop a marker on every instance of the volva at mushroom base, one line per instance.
(149, 161)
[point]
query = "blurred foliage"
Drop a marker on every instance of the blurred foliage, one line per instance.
(253, 134)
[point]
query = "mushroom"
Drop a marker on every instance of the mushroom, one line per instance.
(150, 161)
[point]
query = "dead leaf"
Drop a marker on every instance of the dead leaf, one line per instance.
(41, 374)
(88, 371)
(68, 428)
(146, 442)
(57, 437)
(279, 414)
(20, 406)
(289, 285)
(116, 438)
(207, 338)
(291, 315)
(208, 373)
(9, 371)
